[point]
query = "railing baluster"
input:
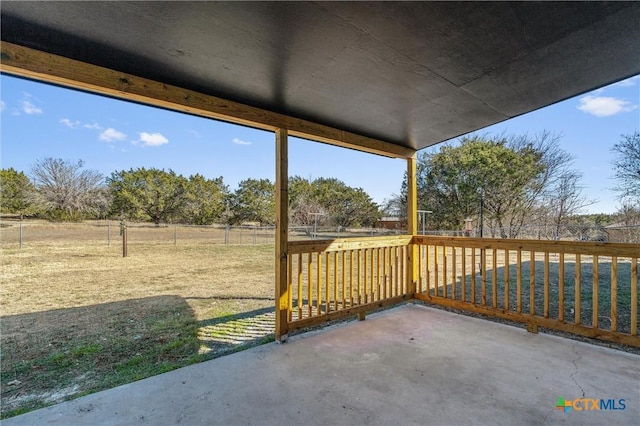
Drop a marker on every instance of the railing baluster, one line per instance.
(519, 281)
(402, 270)
(378, 273)
(310, 283)
(473, 276)
(546, 285)
(634, 296)
(335, 280)
(494, 278)
(464, 274)
(578, 279)
(436, 278)
(351, 257)
(483, 279)
(366, 272)
(614, 293)
(344, 279)
(444, 272)
(385, 271)
(532, 282)
(595, 317)
(327, 281)
(419, 278)
(453, 272)
(507, 282)
(318, 285)
(290, 288)
(427, 272)
(561, 288)
(300, 295)
(397, 270)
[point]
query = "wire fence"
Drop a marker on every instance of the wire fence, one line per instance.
(19, 234)
(616, 233)
(28, 233)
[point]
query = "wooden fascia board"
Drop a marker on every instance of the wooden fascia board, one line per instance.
(37, 65)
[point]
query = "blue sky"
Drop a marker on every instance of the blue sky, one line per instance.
(40, 120)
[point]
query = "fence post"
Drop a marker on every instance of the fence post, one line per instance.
(255, 232)
(226, 234)
(123, 232)
(21, 235)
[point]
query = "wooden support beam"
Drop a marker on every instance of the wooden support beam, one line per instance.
(412, 224)
(282, 236)
(34, 64)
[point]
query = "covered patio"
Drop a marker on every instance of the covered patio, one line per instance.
(387, 79)
(407, 365)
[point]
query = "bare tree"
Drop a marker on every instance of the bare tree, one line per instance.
(627, 167)
(67, 191)
(565, 199)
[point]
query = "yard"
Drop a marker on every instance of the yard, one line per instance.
(77, 317)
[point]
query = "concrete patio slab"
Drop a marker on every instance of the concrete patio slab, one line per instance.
(407, 365)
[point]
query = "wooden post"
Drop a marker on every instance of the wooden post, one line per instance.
(124, 238)
(282, 237)
(412, 225)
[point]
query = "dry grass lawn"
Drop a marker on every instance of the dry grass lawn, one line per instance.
(77, 317)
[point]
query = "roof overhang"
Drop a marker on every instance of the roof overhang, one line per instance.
(384, 77)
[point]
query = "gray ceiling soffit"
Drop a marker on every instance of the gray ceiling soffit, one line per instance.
(414, 73)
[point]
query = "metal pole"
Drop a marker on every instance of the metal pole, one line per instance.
(226, 234)
(481, 215)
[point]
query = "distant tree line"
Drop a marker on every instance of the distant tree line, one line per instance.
(512, 181)
(63, 190)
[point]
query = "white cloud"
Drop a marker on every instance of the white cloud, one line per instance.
(152, 139)
(195, 134)
(241, 142)
(2, 106)
(629, 82)
(604, 106)
(28, 107)
(70, 124)
(92, 126)
(111, 135)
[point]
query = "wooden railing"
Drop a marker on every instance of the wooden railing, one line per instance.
(585, 288)
(331, 279)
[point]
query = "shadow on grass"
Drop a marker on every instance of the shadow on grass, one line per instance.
(586, 291)
(52, 356)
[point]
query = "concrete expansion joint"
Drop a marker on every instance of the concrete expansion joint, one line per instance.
(576, 369)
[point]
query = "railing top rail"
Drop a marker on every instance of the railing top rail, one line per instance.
(338, 244)
(572, 247)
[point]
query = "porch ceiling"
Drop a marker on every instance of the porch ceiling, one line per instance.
(413, 74)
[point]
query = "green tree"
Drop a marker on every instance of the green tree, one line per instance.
(627, 167)
(17, 193)
(509, 174)
(67, 191)
(205, 200)
(345, 206)
(148, 194)
(253, 201)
